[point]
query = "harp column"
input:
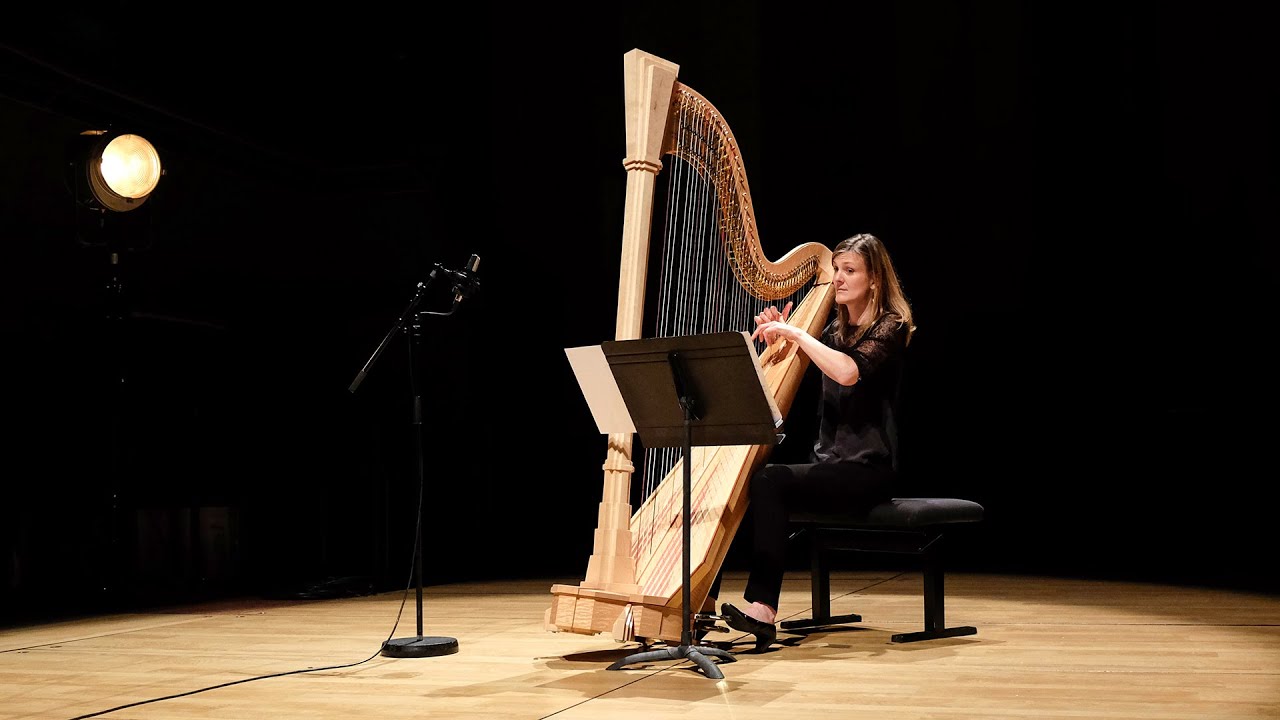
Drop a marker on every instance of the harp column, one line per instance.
(649, 83)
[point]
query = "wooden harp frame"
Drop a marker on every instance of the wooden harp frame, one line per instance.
(634, 585)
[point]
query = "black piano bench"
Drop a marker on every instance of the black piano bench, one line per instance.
(911, 526)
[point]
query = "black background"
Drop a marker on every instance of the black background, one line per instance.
(1081, 204)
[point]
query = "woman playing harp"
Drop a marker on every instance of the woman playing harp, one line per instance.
(711, 273)
(853, 463)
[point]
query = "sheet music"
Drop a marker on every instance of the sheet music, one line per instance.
(600, 389)
(755, 362)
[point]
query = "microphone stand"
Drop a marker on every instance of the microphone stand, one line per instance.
(419, 645)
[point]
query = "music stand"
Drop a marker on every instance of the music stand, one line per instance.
(679, 392)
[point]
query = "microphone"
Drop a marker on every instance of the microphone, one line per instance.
(465, 282)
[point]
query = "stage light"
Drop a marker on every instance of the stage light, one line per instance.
(122, 171)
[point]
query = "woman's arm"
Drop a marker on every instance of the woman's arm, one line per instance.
(833, 363)
(771, 324)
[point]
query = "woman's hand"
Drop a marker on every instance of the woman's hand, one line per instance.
(771, 324)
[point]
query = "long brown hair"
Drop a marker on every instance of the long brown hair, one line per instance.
(886, 293)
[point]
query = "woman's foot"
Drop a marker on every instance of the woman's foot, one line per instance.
(765, 632)
(761, 612)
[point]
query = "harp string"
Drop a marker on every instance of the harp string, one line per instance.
(699, 291)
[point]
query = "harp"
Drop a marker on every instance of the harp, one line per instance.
(713, 276)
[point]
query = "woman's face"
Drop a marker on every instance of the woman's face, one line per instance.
(852, 283)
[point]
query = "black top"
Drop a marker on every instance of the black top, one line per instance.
(857, 423)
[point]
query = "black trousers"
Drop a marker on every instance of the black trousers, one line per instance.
(778, 490)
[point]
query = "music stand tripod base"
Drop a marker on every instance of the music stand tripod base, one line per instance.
(416, 647)
(699, 656)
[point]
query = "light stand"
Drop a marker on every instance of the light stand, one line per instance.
(110, 176)
(117, 314)
(421, 645)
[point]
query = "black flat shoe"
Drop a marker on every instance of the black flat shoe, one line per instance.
(765, 632)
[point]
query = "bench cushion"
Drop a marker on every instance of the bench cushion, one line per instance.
(900, 513)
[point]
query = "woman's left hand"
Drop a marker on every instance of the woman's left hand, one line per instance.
(777, 329)
(770, 316)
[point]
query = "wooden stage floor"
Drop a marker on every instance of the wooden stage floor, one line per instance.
(1045, 648)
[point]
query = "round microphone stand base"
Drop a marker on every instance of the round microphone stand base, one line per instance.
(415, 647)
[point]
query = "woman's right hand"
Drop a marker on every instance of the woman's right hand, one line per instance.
(770, 314)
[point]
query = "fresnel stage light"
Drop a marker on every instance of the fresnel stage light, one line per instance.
(121, 170)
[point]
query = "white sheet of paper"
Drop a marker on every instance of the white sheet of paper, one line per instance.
(600, 389)
(755, 361)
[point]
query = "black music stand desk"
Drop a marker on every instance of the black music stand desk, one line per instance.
(679, 392)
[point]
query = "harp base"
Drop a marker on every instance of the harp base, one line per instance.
(625, 616)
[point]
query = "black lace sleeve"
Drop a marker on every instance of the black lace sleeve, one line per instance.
(881, 347)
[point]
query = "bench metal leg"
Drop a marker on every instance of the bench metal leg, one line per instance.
(935, 622)
(820, 591)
